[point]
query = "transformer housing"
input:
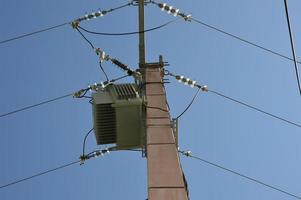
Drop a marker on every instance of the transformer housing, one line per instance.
(117, 116)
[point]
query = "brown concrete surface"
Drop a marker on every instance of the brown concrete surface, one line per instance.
(165, 176)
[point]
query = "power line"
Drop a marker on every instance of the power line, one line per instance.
(82, 159)
(103, 70)
(292, 44)
(242, 39)
(254, 108)
(104, 57)
(86, 39)
(84, 143)
(86, 17)
(191, 102)
(79, 94)
(192, 83)
(188, 154)
(40, 174)
(127, 33)
(92, 46)
(35, 105)
(33, 33)
(175, 12)
(117, 79)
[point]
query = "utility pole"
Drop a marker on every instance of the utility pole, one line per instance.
(165, 176)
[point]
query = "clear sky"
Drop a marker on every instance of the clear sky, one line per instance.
(58, 62)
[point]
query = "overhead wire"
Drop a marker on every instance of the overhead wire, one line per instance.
(242, 39)
(128, 33)
(85, 139)
(292, 45)
(92, 46)
(255, 108)
(104, 57)
(86, 39)
(188, 154)
(122, 6)
(104, 72)
(62, 24)
(192, 83)
(191, 102)
(40, 174)
(33, 33)
(78, 94)
(81, 161)
(119, 78)
(93, 154)
(35, 105)
(188, 18)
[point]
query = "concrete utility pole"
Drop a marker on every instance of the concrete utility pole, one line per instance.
(165, 177)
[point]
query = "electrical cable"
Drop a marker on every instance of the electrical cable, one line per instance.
(33, 33)
(84, 37)
(171, 10)
(35, 105)
(119, 7)
(188, 154)
(90, 155)
(193, 83)
(242, 39)
(39, 174)
(119, 78)
(84, 143)
(60, 25)
(103, 70)
(128, 33)
(191, 102)
(103, 57)
(79, 94)
(254, 108)
(87, 97)
(292, 45)
(92, 46)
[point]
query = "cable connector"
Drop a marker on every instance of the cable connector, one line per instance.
(81, 93)
(93, 154)
(102, 55)
(205, 88)
(173, 11)
(186, 153)
(75, 24)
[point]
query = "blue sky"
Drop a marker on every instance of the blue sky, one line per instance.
(58, 62)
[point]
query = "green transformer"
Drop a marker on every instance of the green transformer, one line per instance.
(118, 116)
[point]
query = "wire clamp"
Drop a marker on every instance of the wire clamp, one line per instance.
(75, 24)
(79, 93)
(102, 55)
(204, 88)
(188, 17)
(186, 153)
(83, 158)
